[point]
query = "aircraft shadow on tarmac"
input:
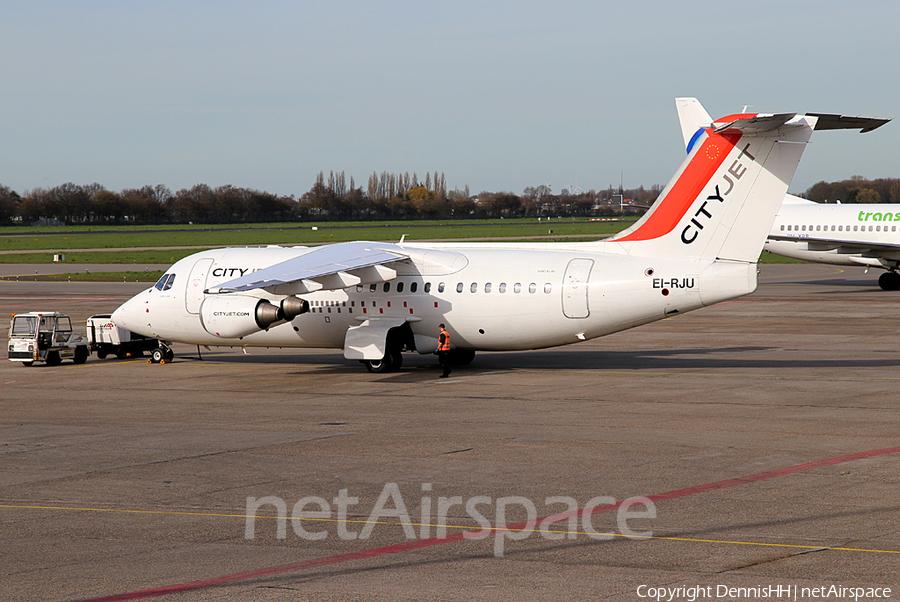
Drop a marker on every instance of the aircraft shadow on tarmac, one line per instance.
(569, 359)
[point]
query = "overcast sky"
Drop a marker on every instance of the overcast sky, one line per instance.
(497, 96)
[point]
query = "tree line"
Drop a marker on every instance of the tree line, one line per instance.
(337, 197)
(856, 190)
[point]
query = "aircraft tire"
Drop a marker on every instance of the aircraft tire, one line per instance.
(391, 362)
(889, 281)
(157, 355)
(462, 357)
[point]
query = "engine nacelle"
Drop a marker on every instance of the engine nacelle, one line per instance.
(236, 316)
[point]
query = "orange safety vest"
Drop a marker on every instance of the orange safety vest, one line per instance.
(445, 344)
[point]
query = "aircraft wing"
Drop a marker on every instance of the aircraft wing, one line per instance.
(846, 247)
(327, 267)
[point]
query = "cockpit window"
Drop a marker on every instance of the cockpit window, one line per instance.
(169, 282)
(161, 282)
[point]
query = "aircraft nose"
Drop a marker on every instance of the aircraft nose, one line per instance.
(125, 315)
(118, 316)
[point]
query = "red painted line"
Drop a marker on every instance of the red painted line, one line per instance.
(424, 543)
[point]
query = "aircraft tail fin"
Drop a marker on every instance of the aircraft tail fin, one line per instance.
(693, 119)
(722, 202)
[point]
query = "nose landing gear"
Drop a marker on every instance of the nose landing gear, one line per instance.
(162, 354)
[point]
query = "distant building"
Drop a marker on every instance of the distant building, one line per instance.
(51, 221)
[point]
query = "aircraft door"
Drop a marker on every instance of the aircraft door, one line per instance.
(196, 284)
(575, 288)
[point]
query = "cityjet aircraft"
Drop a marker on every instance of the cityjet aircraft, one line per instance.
(854, 234)
(698, 245)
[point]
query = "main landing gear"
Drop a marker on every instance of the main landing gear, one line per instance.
(391, 362)
(393, 359)
(162, 354)
(889, 281)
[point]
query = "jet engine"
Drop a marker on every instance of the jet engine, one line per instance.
(236, 316)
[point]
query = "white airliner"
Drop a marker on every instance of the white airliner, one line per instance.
(697, 246)
(853, 234)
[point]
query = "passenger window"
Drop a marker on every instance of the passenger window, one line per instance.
(532, 287)
(818, 228)
(840, 228)
(413, 287)
(855, 228)
(459, 287)
(428, 287)
(399, 287)
(487, 287)
(789, 228)
(502, 288)
(782, 227)
(878, 228)
(473, 288)
(387, 287)
(373, 288)
(870, 228)
(548, 287)
(359, 288)
(441, 287)
(517, 288)
(804, 228)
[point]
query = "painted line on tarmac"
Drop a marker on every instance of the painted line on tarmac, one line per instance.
(479, 533)
(797, 546)
(639, 372)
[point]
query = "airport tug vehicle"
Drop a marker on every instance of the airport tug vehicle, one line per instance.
(45, 336)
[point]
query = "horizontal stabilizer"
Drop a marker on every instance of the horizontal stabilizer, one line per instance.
(756, 124)
(842, 122)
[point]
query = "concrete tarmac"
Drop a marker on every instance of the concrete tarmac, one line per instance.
(765, 432)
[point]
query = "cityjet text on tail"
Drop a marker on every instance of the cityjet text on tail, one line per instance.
(698, 245)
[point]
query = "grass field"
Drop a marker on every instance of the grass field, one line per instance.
(265, 234)
(154, 244)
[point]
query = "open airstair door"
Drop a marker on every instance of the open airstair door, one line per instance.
(575, 288)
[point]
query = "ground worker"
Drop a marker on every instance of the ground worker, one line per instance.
(443, 351)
